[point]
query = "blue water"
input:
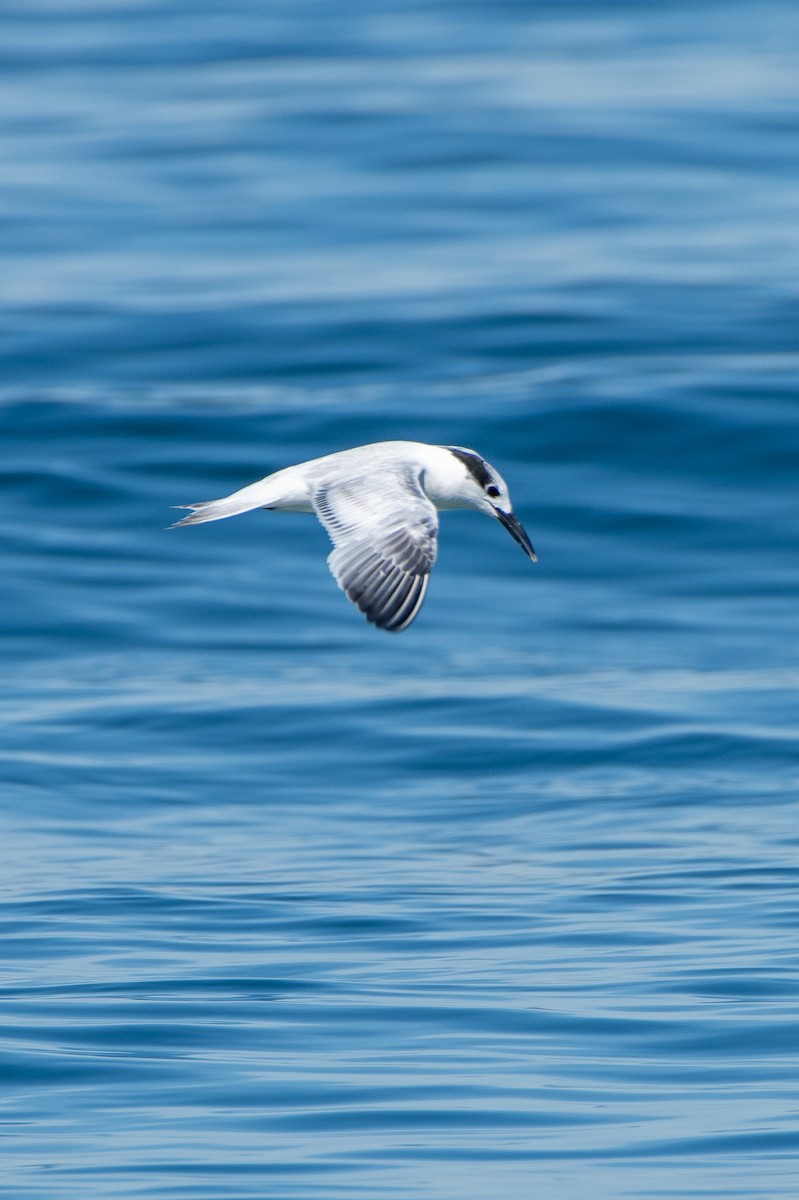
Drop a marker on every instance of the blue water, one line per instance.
(507, 905)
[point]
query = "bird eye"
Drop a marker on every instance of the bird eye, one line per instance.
(492, 490)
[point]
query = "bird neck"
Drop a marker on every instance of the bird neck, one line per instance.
(444, 479)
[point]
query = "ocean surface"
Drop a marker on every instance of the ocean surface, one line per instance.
(506, 905)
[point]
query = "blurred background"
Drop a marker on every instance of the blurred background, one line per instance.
(505, 905)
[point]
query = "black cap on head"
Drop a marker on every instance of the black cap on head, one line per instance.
(477, 467)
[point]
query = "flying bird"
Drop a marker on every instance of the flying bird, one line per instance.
(379, 504)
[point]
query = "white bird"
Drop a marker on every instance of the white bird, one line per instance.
(378, 503)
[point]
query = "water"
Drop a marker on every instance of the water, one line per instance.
(503, 906)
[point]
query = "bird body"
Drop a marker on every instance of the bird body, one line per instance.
(379, 504)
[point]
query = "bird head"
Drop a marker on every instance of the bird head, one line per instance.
(484, 488)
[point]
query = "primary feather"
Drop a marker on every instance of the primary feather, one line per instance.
(385, 543)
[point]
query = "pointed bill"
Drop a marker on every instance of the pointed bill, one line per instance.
(516, 530)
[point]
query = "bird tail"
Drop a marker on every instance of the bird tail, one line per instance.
(212, 510)
(281, 490)
(256, 495)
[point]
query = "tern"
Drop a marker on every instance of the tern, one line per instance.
(379, 505)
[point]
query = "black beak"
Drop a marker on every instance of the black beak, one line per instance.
(516, 530)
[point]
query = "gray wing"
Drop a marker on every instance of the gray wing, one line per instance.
(384, 531)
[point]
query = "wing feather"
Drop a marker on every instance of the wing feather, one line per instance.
(384, 532)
